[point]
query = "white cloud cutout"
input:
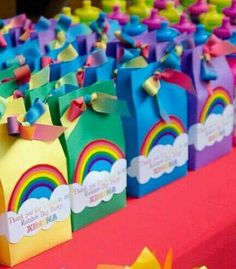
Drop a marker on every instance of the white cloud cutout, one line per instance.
(35, 215)
(215, 129)
(161, 159)
(98, 187)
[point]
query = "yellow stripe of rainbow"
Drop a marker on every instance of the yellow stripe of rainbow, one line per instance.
(94, 152)
(39, 176)
(219, 97)
(159, 130)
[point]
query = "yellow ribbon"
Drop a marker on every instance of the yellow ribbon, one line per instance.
(98, 102)
(68, 54)
(147, 260)
(40, 78)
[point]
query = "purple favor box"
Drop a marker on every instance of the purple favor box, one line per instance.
(210, 109)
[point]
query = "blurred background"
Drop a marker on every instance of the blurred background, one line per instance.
(35, 8)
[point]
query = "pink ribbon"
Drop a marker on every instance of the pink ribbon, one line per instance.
(77, 107)
(215, 47)
(144, 49)
(21, 75)
(3, 42)
(177, 78)
(97, 58)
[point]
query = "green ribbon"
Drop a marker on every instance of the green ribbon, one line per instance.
(137, 62)
(99, 102)
(105, 103)
(3, 106)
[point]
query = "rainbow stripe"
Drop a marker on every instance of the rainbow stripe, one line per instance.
(96, 151)
(219, 98)
(158, 131)
(35, 180)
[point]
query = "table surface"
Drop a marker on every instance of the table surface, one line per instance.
(195, 216)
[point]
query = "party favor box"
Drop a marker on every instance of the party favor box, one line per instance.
(95, 149)
(156, 133)
(34, 195)
(210, 109)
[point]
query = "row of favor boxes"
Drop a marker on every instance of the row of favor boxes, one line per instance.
(87, 116)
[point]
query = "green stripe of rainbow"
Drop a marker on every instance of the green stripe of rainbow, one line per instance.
(174, 128)
(39, 176)
(96, 151)
(220, 97)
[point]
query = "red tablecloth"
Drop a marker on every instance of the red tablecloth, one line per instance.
(196, 216)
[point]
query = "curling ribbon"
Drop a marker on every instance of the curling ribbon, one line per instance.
(21, 75)
(62, 26)
(41, 132)
(173, 52)
(144, 49)
(97, 58)
(213, 48)
(27, 30)
(35, 112)
(99, 102)
(101, 28)
(43, 24)
(18, 60)
(153, 85)
(16, 22)
(147, 260)
(29, 129)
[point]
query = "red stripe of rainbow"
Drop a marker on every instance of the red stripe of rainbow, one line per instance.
(220, 97)
(159, 130)
(38, 176)
(98, 150)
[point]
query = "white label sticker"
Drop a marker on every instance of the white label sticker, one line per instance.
(215, 129)
(98, 187)
(35, 215)
(161, 159)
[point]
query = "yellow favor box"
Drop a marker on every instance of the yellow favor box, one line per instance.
(34, 195)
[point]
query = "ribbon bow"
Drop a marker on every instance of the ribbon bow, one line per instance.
(29, 130)
(16, 61)
(16, 22)
(153, 85)
(173, 51)
(144, 49)
(28, 28)
(21, 76)
(62, 26)
(99, 102)
(213, 48)
(147, 260)
(101, 27)
(97, 58)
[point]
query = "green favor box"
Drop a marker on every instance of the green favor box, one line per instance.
(94, 145)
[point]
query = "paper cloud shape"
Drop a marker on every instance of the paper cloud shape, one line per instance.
(35, 215)
(215, 129)
(98, 187)
(161, 159)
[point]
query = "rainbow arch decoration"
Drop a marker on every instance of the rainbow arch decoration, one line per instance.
(174, 128)
(96, 151)
(37, 182)
(220, 98)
